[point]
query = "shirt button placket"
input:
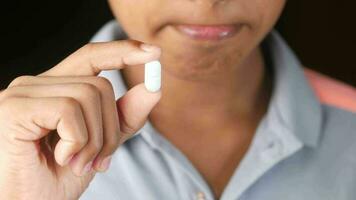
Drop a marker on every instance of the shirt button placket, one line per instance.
(200, 196)
(273, 152)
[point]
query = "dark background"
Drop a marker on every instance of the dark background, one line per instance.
(35, 35)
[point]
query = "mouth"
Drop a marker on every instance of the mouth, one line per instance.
(208, 32)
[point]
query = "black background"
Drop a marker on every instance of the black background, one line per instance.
(35, 35)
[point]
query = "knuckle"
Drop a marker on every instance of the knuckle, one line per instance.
(128, 43)
(94, 147)
(103, 83)
(87, 51)
(10, 93)
(97, 145)
(82, 140)
(132, 42)
(69, 106)
(88, 91)
(5, 94)
(20, 80)
(7, 103)
(112, 143)
(87, 48)
(126, 128)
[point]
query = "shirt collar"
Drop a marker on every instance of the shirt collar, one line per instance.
(293, 103)
(296, 106)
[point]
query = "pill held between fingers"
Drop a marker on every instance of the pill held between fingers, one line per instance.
(153, 76)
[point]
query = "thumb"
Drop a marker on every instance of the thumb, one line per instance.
(134, 108)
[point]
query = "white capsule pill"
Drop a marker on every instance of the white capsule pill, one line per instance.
(153, 76)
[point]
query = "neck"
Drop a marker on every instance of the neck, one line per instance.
(239, 95)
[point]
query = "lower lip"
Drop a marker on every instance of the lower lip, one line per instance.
(201, 32)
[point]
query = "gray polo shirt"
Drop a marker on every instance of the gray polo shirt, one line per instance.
(304, 147)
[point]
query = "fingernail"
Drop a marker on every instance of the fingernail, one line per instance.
(105, 163)
(87, 168)
(148, 47)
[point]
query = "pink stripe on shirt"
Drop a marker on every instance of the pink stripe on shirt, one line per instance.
(331, 91)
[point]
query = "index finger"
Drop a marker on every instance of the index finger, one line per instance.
(93, 58)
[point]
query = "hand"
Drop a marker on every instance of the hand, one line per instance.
(59, 128)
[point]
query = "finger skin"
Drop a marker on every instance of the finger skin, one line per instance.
(43, 114)
(111, 126)
(89, 61)
(134, 108)
(95, 57)
(89, 99)
(29, 119)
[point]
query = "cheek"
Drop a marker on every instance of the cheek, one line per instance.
(261, 16)
(267, 14)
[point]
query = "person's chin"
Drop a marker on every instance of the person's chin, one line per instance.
(193, 67)
(201, 54)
